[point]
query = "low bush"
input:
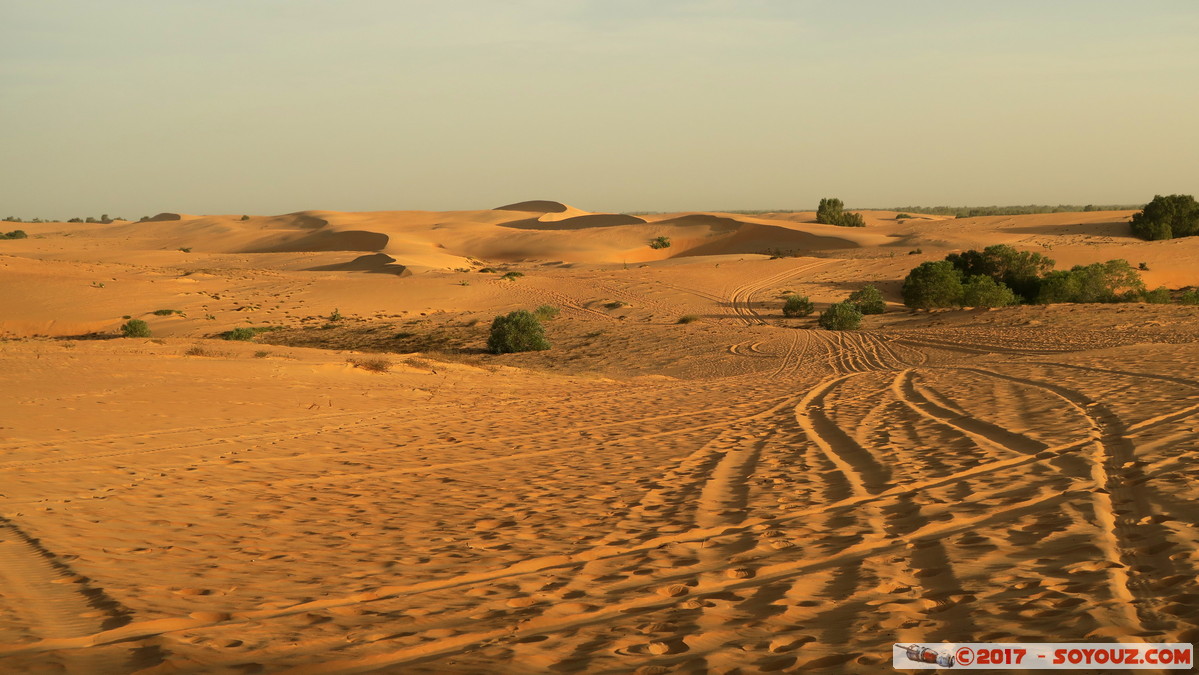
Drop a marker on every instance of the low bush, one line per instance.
(518, 331)
(688, 318)
(1190, 297)
(246, 333)
(166, 312)
(868, 300)
(135, 328)
(797, 305)
(512, 276)
(15, 234)
(659, 242)
(841, 316)
(616, 304)
(1158, 296)
(546, 313)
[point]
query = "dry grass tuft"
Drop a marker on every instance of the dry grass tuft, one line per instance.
(374, 365)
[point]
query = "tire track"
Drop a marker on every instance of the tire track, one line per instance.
(1118, 510)
(865, 475)
(57, 603)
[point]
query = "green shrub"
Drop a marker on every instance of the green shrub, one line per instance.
(546, 313)
(902, 216)
(166, 312)
(1167, 217)
(1190, 297)
(1020, 271)
(660, 242)
(487, 270)
(135, 328)
(841, 316)
(518, 331)
(1143, 266)
(336, 315)
(798, 305)
(868, 300)
(241, 334)
(983, 291)
(512, 276)
(933, 284)
(832, 212)
(688, 318)
(245, 217)
(1158, 296)
(15, 234)
(1111, 281)
(615, 304)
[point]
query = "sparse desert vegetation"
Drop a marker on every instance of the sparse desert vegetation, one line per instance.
(389, 407)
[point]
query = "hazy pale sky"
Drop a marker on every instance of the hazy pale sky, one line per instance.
(132, 107)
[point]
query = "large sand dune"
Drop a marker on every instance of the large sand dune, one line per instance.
(741, 494)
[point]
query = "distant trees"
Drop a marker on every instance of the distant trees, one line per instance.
(1167, 217)
(832, 212)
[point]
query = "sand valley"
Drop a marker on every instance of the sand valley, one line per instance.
(744, 493)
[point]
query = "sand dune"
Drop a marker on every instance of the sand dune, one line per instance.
(741, 494)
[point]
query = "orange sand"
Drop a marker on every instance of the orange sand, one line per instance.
(741, 494)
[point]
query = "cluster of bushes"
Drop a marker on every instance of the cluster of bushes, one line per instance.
(102, 219)
(832, 212)
(1167, 217)
(1000, 275)
(845, 315)
(15, 234)
(659, 242)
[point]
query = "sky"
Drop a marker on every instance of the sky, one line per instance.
(134, 107)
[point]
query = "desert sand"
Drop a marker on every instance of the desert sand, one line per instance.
(741, 494)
